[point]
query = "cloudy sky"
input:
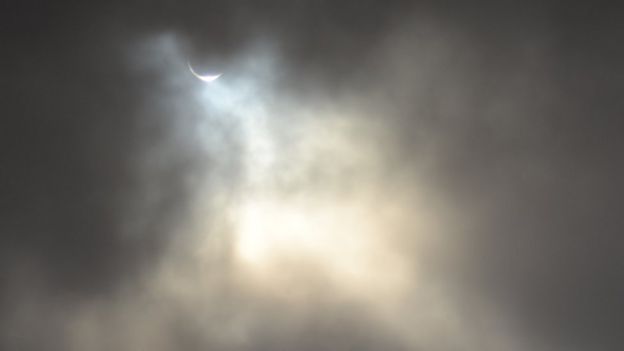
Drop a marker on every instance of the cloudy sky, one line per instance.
(364, 175)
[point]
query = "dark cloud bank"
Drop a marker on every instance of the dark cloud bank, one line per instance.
(511, 111)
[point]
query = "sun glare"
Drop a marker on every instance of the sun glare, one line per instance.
(342, 240)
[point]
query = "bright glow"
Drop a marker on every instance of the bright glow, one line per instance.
(341, 239)
(269, 228)
(205, 78)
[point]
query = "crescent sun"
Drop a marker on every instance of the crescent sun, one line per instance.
(204, 78)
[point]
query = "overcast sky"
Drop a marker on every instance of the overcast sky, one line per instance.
(364, 175)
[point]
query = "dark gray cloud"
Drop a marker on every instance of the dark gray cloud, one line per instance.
(507, 112)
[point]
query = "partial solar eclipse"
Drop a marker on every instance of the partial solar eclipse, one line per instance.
(204, 78)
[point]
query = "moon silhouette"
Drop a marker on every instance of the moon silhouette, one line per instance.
(204, 78)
